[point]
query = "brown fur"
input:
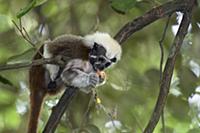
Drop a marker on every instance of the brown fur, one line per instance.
(69, 46)
(39, 76)
(37, 93)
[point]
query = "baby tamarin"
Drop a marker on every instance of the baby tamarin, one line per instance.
(85, 58)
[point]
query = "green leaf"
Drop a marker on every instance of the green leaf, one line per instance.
(26, 9)
(30, 6)
(122, 6)
(5, 81)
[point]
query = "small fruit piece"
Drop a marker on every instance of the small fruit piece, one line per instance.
(98, 100)
(101, 74)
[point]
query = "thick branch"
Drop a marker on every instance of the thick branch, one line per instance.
(169, 67)
(59, 110)
(149, 17)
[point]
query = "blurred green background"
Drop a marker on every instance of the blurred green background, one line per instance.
(130, 93)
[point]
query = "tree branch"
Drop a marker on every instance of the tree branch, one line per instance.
(149, 17)
(56, 60)
(59, 109)
(169, 67)
(161, 67)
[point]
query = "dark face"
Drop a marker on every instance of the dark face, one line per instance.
(98, 58)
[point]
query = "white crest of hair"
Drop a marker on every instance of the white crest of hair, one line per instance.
(113, 49)
(53, 69)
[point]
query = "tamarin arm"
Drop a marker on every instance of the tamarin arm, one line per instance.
(80, 79)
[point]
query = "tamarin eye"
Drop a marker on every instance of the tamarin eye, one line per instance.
(113, 59)
(107, 64)
(101, 59)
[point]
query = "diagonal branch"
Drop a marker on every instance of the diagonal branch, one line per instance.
(161, 67)
(149, 17)
(59, 110)
(169, 67)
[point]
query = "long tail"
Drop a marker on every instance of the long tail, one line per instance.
(37, 93)
(36, 104)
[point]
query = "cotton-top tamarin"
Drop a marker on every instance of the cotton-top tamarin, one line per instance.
(85, 58)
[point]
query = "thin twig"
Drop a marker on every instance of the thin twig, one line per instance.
(5, 67)
(95, 26)
(97, 17)
(161, 46)
(26, 36)
(21, 32)
(161, 65)
(110, 115)
(20, 23)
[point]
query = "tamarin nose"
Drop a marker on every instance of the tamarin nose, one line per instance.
(101, 67)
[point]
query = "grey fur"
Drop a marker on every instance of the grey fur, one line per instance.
(79, 73)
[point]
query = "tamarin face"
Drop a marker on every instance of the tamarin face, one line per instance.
(98, 59)
(104, 50)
